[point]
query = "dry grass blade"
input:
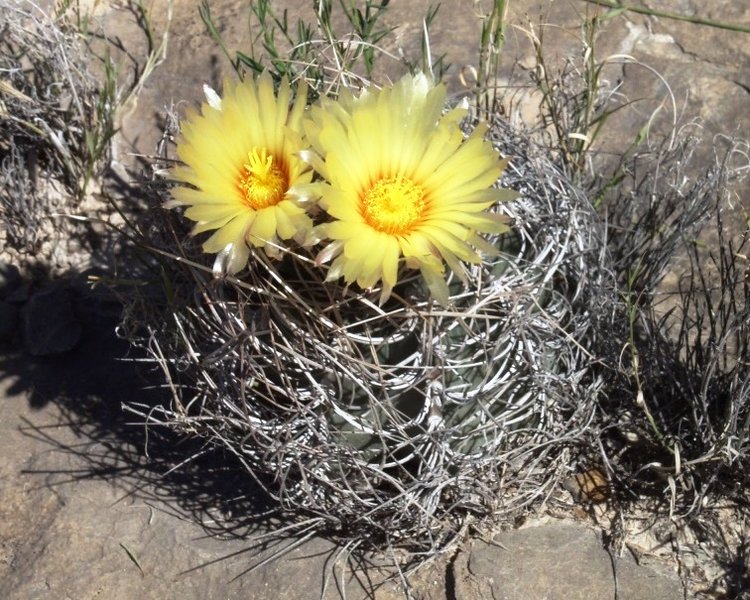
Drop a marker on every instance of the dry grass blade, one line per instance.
(48, 99)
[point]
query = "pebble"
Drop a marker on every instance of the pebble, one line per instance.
(50, 324)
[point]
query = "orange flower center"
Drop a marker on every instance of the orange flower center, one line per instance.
(263, 183)
(393, 205)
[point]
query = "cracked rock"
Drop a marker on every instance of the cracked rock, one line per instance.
(557, 562)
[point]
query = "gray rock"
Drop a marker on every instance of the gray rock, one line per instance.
(8, 321)
(556, 562)
(66, 536)
(20, 294)
(10, 278)
(50, 323)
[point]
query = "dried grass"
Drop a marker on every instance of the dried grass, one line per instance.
(50, 122)
(678, 408)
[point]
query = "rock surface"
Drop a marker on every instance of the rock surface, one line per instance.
(559, 561)
(88, 505)
(89, 508)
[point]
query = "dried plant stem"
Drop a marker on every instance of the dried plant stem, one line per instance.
(619, 6)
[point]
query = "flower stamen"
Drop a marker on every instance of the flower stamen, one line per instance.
(393, 205)
(263, 184)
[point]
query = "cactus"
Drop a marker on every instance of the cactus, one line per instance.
(403, 421)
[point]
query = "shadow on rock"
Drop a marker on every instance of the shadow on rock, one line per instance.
(88, 378)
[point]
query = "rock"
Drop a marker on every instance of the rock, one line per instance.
(10, 279)
(556, 562)
(68, 528)
(8, 321)
(50, 323)
(20, 295)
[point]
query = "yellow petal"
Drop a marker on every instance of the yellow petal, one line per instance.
(232, 233)
(263, 228)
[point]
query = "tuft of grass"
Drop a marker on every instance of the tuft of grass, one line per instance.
(308, 48)
(62, 99)
(436, 67)
(491, 42)
(337, 43)
(576, 106)
(50, 126)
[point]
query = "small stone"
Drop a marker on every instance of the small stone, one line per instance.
(20, 295)
(8, 321)
(10, 279)
(556, 562)
(50, 323)
(588, 487)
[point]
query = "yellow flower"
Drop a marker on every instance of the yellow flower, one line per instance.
(403, 185)
(242, 169)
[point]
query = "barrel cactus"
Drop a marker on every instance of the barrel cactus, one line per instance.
(378, 396)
